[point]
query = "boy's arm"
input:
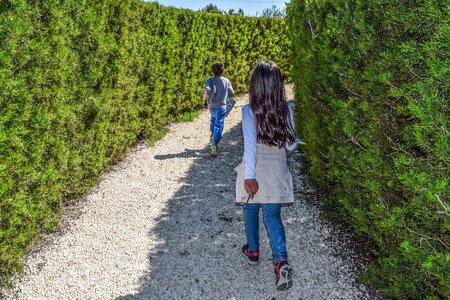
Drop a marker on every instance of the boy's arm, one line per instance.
(206, 93)
(207, 90)
(230, 90)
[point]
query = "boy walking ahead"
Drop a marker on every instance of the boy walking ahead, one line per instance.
(217, 90)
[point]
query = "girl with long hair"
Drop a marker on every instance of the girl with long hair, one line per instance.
(263, 178)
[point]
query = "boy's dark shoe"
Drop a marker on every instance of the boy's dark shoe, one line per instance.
(283, 275)
(251, 257)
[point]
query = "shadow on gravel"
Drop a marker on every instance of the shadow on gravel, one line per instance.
(201, 230)
(186, 154)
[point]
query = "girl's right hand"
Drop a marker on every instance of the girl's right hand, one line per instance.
(251, 186)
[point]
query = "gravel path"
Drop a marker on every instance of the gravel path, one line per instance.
(162, 224)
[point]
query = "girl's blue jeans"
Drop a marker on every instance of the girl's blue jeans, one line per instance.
(274, 227)
(217, 122)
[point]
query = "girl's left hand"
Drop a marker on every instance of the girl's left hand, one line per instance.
(251, 186)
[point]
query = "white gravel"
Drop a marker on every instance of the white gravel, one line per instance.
(162, 224)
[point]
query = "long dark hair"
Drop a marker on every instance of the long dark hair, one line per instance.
(269, 106)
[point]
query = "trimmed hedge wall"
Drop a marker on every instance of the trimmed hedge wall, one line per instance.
(81, 81)
(373, 87)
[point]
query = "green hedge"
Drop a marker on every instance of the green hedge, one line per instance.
(81, 81)
(373, 84)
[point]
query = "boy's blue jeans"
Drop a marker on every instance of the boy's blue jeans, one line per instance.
(217, 122)
(274, 227)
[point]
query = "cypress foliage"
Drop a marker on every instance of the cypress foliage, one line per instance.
(372, 83)
(81, 80)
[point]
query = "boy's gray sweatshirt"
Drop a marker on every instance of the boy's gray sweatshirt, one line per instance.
(217, 90)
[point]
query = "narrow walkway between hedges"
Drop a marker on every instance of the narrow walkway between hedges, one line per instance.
(162, 224)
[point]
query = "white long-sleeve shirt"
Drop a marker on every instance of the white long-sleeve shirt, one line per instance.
(250, 140)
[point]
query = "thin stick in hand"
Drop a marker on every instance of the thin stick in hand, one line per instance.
(248, 199)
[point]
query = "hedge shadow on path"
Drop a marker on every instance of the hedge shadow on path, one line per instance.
(200, 234)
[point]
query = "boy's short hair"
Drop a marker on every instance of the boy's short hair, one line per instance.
(218, 68)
